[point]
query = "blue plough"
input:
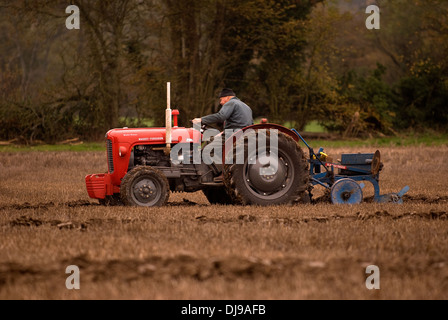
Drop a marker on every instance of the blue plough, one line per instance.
(352, 168)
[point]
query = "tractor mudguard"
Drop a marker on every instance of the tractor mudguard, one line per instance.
(262, 126)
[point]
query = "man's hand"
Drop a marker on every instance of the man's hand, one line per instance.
(197, 124)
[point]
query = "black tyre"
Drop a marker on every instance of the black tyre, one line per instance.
(217, 195)
(251, 184)
(145, 187)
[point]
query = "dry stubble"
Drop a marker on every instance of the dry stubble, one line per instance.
(192, 250)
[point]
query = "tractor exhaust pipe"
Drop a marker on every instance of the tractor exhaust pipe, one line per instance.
(168, 124)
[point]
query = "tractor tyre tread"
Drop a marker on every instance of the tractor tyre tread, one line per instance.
(126, 183)
(298, 194)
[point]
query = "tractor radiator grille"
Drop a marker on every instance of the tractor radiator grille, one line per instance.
(110, 157)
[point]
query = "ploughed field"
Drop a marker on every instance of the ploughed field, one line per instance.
(193, 250)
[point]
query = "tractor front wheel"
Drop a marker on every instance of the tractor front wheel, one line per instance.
(145, 187)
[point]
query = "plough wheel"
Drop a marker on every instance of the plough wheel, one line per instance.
(346, 191)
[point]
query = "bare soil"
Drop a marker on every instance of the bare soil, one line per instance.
(193, 250)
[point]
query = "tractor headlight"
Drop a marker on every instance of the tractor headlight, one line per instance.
(122, 151)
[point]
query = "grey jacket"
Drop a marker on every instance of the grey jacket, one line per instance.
(235, 113)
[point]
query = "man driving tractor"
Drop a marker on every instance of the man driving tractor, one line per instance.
(234, 113)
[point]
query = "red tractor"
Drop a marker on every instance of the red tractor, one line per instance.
(142, 169)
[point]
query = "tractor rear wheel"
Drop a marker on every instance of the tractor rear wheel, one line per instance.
(217, 195)
(145, 187)
(255, 183)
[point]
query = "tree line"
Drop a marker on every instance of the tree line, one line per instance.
(292, 61)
